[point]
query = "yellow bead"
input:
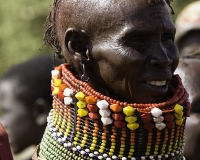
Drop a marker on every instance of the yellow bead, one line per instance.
(132, 150)
(84, 138)
(75, 138)
(123, 145)
(102, 147)
(104, 141)
(112, 147)
(132, 126)
(155, 153)
(130, 156)
(55, 91)
(103, 144)
(110, 153)
(113, 144)
(111, 150)
(121, 152)
(75, 143)
(129, 111)
(82, 145)
(101, 151)
(95, 138)
(92, 148)
(147, 153)
(179, 122)
(57, 82)
(178, 108)
(121, 149)
(81, 104)
(93, 145)
(178, 116)
(82, 112)
(83, 142)
(120, 156)
(85, 135)
(131, 119)
(80, 96)
(94, 141)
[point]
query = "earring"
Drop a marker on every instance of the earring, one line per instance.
(84, 77)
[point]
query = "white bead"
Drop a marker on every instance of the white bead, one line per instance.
(67, 92)
(158, 119)
(87, 150)
(105, 155)
(106, 120)
(65, 144)
(58, 134)
(68, 100)
(74, 149)
(166, 156)
(133, 158)
(177, 152)
(143, 158)
(63, 139)
(100, 157)
(55, 72)
(151, 157)
(160, 126)
(156, 112)
(124, 158)
(69, 144)
(82, 152)
(59, 139)
(54, 129)
(91, 155)
(78, 147)
(159, 156)
(96, 153)
(105, 112)
(108, 158)
(172, 154)
(102, 104)
(54, 134)
(114, 157)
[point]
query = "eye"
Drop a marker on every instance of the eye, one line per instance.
(167, 39)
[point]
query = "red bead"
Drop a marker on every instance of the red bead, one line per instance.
(118, 116)
(170, 125)
(119, 124)
(94, 116)
(148, 126)
(92, 107)
(60, 96)
(169, 117)
(146, 118)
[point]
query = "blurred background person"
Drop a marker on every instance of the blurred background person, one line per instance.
(188, 30)
(189, 71)
(188, 42)
(25, 101)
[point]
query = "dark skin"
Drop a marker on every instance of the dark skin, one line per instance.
(127, 48)
(189, 72)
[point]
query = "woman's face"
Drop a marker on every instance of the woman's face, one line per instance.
(135, 55)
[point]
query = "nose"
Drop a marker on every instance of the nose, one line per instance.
(160, 58)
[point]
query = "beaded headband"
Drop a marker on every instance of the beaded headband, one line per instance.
(87, 125)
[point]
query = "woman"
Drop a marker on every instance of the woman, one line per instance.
(116, 98)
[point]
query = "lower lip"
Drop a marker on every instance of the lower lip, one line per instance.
(156, 90)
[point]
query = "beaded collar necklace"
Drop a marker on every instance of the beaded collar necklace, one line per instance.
(90, 125)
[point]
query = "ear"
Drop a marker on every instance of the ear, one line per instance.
(78, 44)
(41, 110)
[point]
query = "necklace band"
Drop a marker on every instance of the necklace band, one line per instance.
(90, 125)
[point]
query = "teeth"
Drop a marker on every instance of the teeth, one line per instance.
(157, 83)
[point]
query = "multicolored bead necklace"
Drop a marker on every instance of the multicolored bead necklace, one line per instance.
(88, 125)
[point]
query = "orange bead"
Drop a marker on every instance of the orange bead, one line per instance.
(116, 108)
(62, 87)
(59, 68)
(90, 100)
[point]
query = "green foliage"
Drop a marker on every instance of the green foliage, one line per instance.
(21, 29)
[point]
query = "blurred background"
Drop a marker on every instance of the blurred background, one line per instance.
(21, 32)
(21, 29)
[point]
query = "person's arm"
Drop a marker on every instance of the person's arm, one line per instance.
(5, 151)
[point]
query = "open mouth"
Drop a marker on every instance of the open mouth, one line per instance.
(156, 87)
(157, 83)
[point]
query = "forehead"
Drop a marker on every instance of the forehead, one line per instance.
(136, 15)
